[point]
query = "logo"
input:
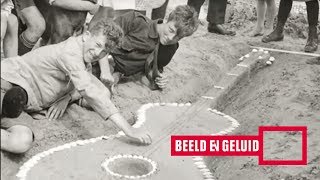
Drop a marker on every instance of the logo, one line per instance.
(238, 145)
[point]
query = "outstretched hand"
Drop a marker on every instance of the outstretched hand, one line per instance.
(58, 108)
(139, 136)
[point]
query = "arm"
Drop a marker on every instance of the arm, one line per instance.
(105, 75)
(75, 5)
(98, 96)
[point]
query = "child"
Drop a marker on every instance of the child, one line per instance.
(50, 73)
(262, 11)
(149, 45)
(9, 29)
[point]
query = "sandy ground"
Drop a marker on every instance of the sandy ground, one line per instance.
(285, 94)
(198, 64)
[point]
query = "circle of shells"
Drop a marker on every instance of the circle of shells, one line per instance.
(106, 163)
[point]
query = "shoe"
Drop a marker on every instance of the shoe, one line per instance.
(274, 36)
(312, 42)
(313, 61)
(14, 102)
(219, 29)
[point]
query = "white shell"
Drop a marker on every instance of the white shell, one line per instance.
(197, 158)
(247, 55)
(254, 50)
(201, 166)
(207, 174)
(269, 62)
(156, 104)
(272, 58)
(260, 57)
(266, 52)
(121, 133)
(199, 163)
(205, 170)
(241, 59)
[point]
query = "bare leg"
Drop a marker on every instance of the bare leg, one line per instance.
(261, 12)
(10, 42)
(271, 13)
(4, 21)
(36, 26)
(17, 139)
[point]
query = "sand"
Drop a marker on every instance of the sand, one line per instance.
(284, 94)
(290, 96)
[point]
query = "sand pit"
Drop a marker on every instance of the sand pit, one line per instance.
(162, 120)
(198, 66)
(284, 94)
(114, 157)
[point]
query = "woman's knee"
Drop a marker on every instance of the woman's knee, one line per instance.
(21, 138)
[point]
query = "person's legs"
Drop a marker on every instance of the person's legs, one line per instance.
(160, 12)
(13, 100)
(261, 12)
(16, 139)
(4, 22)
(10, 42)
(283, 13)
(313, 18)
(196, 4)
(35, 25)
(216, 15)
(271, 13)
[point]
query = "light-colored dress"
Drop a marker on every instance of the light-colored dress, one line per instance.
(6, 7)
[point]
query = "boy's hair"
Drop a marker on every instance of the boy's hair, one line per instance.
(186, 20)
(112, 32)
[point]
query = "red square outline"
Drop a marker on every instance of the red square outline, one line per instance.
(303, 161)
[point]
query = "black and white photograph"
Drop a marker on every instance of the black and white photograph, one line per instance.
(160, 90)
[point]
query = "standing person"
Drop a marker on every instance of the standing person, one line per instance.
(40, 78)
(9, 29)
(313, 20)
(216, 15)
(33, 19)
(266, 9)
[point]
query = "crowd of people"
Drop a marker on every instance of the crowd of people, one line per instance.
(79, 70)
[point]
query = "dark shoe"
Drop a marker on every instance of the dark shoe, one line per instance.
(312, 42)
(219, 29)
(14, 101)
(313, 61)
(274, 36)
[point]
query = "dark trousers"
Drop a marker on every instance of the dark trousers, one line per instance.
(216, 9)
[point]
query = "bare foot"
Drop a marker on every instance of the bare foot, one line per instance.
(257, 32)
